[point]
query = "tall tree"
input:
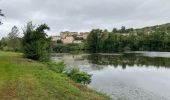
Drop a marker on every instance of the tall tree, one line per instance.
(93, 40)
(123, 29)
(3, 43)
(114, 30)
(36, 44)
(13, 42)
(108, 43)
(14, 32)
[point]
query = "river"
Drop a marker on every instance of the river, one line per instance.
(125, 76)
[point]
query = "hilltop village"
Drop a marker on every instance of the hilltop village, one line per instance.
(74, 37)
(70, 37)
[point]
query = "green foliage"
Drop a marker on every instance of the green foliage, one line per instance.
(114, 30)
(108, 43)
(12, 42)
(93, 40)
(57, 67)
(72, 71)
(122, 30)
(27, 79)
(79, 76)
(146, 39)
(61, 48)
(36, 45)
(155, 38)
(3, 43)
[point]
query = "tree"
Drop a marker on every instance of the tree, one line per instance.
(36, 44)
(1, 14)
(167, 42)
(93, 40)
(132, 42)
(129, 30)
(108, 43)
(3, 43)
(123, 29)
(13, 42)
(14, 32)
(105, 31)
(114, 30)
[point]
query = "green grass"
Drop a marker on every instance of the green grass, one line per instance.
(25, 79)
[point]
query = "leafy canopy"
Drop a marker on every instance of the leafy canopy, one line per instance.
(36, 44)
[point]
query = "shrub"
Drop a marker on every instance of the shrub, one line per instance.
(79, 76)
(68, 47)
(72, 71)
(57, 67)
(36, 45)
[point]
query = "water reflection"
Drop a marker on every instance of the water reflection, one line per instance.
(127, 59)
(99, 61)
(135, 76)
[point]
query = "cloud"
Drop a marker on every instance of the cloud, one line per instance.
(83, 15)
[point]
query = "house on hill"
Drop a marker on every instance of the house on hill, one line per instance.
(71, 37)
(54, 39)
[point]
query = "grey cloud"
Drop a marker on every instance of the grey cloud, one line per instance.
(83, 15)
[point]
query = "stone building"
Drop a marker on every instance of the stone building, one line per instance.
(70, 37)
(55, 38)
(73, 37)
(67, 40)
(83, 35)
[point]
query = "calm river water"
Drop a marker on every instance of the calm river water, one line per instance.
(125, 76)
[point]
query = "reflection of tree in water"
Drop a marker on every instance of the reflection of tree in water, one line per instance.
(123, 66)
(127, 60)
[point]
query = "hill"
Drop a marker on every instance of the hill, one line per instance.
(163, 27)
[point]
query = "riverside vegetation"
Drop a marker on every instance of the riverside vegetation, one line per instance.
(154, 38)
(32, 75)
(23, 79)
(40, 78)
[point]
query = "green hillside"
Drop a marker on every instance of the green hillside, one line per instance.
(162, 27)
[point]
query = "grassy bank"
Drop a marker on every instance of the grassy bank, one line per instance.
(24, 79)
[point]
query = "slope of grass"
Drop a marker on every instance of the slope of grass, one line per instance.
(24, 79)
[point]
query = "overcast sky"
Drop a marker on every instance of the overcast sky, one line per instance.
(83, 15)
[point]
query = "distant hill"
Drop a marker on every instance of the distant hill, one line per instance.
(163, 27)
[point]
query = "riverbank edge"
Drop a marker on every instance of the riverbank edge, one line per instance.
(17, 60)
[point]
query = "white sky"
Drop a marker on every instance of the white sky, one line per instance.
(83, 15)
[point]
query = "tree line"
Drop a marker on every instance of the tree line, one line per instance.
(155, 38)
(37, 45)
(131, 40)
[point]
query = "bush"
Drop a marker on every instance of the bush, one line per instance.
(36, 45)
(57, 67)
(68, 47)
(79, 76)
